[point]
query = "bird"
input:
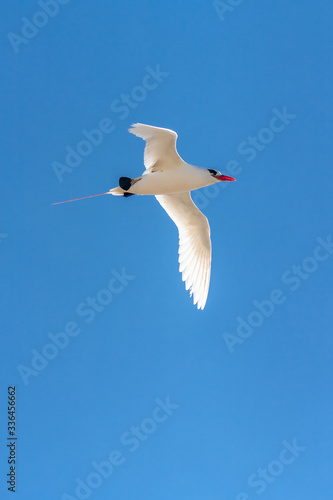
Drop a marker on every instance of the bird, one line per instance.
(170, 179)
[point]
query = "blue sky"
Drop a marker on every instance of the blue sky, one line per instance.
(116, 372)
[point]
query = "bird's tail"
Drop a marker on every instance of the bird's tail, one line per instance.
(118, 191)
(125, 183)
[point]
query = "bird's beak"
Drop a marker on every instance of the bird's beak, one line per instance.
(224, 178)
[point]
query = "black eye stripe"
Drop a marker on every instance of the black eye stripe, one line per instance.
(214, 172)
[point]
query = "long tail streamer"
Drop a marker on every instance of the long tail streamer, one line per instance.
(83, 198)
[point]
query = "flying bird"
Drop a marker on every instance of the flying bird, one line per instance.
(170, 180)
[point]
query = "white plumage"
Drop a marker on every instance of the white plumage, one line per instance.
(194, 243)
(170, 179)
(160, 147)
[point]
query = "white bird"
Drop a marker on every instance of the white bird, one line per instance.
(170, 180)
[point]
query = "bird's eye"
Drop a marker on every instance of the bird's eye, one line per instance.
(213, 172)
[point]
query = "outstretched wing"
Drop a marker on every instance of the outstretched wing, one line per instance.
(194, 243)
(160, 151)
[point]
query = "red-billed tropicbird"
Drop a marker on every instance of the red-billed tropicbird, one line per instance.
(170, 180)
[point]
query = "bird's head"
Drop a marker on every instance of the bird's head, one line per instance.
(218, 176)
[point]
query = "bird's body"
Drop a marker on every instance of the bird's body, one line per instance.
(170, 180)
(182, 179)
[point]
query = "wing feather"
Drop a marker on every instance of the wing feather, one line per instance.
(194, 244)
(160, 151)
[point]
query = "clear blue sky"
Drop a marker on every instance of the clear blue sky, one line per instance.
(116, 372)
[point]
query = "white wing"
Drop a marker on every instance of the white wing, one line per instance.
(160, 151)
(194, 243)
